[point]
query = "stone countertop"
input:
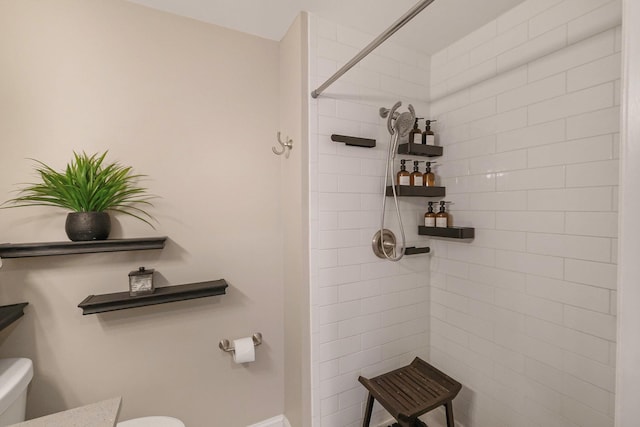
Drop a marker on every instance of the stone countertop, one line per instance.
(101, 414)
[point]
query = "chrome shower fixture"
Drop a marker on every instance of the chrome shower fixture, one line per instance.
(398, 125)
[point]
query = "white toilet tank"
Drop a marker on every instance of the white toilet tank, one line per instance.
(15, 376)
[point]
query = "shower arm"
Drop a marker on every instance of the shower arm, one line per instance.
(412, 13)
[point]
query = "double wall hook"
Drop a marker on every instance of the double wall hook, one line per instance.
(286, 147)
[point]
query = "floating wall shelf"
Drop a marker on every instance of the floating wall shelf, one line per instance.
(11, 313)
(420, 150)
(122, 300)
(22, 250)
(412, 250)
(410, 191)
(354, 141)
(450, 232)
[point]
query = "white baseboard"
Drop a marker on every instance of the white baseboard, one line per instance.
(279, 421)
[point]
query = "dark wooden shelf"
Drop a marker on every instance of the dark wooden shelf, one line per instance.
(11, 313)
(122, 300)
(22, 250)
(354, 141)
(450, 232)
(412, 250)
(420, 150)
(410, 191)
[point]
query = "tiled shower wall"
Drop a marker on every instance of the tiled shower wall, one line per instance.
(368, 315)
(524, 316)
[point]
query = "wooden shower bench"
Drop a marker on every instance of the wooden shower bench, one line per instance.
(411, 391)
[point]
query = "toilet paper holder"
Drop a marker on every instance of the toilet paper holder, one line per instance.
(226, 345)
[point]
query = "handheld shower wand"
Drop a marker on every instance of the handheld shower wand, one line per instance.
(398, 125)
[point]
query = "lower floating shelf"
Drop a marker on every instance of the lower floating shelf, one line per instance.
(412, 250)
(11, 313)
(122, 300)
(450, 232)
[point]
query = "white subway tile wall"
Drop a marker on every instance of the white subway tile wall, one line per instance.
(368, 315)
(524, 316)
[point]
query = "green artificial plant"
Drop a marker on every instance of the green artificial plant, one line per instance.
(88, 184)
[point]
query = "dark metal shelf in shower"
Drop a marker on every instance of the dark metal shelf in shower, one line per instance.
(411, 191)
(412, 250)
(11, 313)
(122, 300)
(450, 232)
(420, 150)
(354, 141)
(22, 250)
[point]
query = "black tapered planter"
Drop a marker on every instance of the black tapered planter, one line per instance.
(83, 226)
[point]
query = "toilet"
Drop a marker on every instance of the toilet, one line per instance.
(15, 376)
(152, 422)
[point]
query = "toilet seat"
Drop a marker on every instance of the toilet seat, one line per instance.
(152, 422)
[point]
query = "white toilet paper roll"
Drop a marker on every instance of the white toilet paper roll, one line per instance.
(244, 351)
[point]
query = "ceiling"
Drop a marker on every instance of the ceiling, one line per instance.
(440, 24)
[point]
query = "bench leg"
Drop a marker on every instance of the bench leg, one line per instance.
(368, 411)
(448, 407)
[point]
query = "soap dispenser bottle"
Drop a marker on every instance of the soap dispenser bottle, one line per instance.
(416, 177)
(429, 178)
(428, 137)
(442, 217)
(430, 217)
(415, 135)
(403, 177)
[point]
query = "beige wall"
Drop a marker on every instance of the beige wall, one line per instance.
(295, 213)
(194, 107)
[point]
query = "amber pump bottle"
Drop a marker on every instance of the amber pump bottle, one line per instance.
(416, 177)
(428, 137)
(403, 177)
(416, 134)
(430, 217)
(429, 179)
(442, 217)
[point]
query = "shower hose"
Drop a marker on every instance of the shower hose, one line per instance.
(398, 125)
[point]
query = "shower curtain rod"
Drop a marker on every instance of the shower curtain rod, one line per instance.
(415, 10)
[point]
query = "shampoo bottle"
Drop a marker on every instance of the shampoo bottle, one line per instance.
(442, 217)
(428, 137)
(416, 135)
(430, 217)
(403, 177)
(429, 179)
(416, 177)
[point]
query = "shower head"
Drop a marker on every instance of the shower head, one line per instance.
(397, 122)
(404, 122)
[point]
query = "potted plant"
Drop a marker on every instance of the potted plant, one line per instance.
(89, 187)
